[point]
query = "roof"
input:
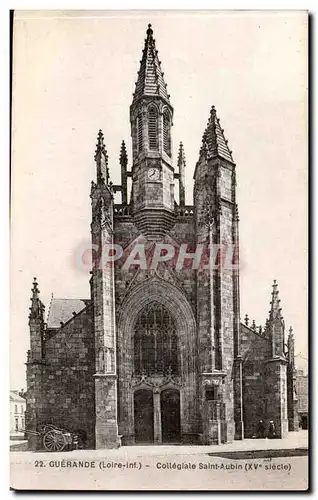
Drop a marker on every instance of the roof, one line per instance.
(61, 310)
(14, 396)
(214, 138)
(150, 80)
(250, 331)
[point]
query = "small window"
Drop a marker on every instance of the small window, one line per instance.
(166, 133)
(153, 129)
(16, 408)
(210, 394)
(16, 424)
(22, 423)
(139, 132)
(21, 409)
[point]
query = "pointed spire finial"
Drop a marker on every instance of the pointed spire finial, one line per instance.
(181, 165)
(101, 159)
(37, 308)
(276, 310)
(35, 289)
(149, 31)
(290, 332)
(181, 155)
(123, 159)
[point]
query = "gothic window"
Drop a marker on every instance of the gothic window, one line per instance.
(153, 129)
(166, 133)
(139, 132)
(155, 342)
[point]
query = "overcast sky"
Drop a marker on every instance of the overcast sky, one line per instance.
(74, 72)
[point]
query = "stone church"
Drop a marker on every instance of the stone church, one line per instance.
(158, 354)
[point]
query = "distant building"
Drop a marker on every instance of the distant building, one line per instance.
(17, 412)
(302, 396)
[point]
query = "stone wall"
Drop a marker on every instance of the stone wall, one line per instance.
(276, 395)
(302, 392)
(255, 349)
(61, 387)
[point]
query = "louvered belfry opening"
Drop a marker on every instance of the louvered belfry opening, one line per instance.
(153, 129)
(139, 132)
(166, 133)
(155, 342)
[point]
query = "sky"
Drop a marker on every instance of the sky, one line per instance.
(74, 73)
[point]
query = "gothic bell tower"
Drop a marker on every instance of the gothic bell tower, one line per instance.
(151, 115)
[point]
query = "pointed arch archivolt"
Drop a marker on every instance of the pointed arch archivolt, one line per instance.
(176, 302)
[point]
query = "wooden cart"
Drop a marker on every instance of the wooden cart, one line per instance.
(56, 439)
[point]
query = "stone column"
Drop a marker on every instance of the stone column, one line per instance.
(212, 423)
(238, 400)
(157, 417)
(106, 428)
(276, 395)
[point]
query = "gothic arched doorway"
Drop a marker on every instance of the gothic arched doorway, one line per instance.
(143, 416)
(170, 415)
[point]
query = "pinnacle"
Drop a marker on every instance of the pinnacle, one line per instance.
(37, 308)
(214, 143)
(35, 290)
(150, 80)
(181, 155)
(123, 159)
(101, 159)
(275, 311)
(100, 146)
(149, 31)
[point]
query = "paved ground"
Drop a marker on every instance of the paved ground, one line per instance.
(295, 440)
(243, 465)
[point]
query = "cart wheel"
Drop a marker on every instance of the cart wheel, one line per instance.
(54, 441)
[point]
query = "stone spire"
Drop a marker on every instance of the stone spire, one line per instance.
(150, 80)
(123, 160)
(291, 347)
(276, 325)
(181, 165)
(37, 308)
(36, 325)
(101, 159)
(213, 141)
(276, 311)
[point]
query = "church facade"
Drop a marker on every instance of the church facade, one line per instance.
(158, 352)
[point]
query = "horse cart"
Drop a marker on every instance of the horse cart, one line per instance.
(55, 439)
